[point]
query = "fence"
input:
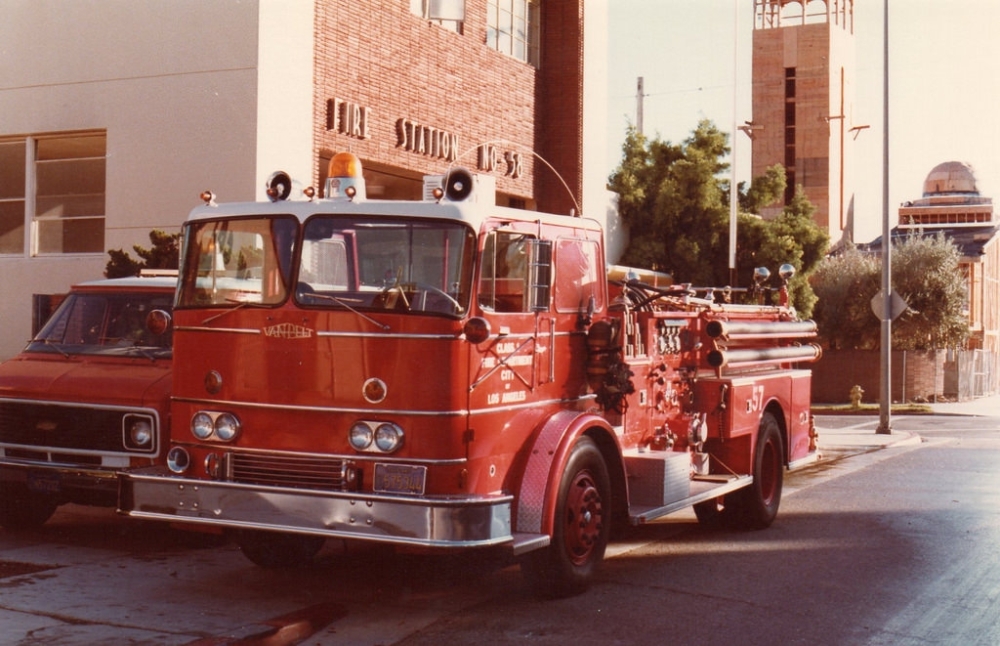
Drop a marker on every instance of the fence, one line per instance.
(933, 375)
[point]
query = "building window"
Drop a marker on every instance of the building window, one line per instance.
(790, 151)
(449, 14)
(53, 188)
(512, 27)
(12, 192)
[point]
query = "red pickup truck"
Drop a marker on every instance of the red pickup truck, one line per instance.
(88, 397)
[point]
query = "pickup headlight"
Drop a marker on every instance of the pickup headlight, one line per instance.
(138, 433)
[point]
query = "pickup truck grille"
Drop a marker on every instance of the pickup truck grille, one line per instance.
(300, 472)
(70, 427)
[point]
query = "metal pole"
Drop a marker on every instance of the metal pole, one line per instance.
(885, 381)
(638, 106)
(733, 190)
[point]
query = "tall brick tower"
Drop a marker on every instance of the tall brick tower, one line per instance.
(803, 78)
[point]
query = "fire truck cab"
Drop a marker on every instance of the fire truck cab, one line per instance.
(89, 396)
(451, 374)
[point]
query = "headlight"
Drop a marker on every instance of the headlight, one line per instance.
(388, 437)
(227, 427)
(375, 437)
(138, 433)
(360, 436)
(178, 460)
(202, 426)
(209, 425)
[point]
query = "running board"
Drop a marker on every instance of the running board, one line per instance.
(524, 542)
(703, 488)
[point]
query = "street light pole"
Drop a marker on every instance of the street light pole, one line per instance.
(885, 380)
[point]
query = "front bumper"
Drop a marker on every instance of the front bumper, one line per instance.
(64, 482)
(424, 521)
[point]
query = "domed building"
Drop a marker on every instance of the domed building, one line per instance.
(951, 198)
(952, 203)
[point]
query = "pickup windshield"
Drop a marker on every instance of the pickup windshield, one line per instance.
(382, 263)
(107, 324)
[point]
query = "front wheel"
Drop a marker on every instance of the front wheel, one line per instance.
(581, 528)
(22, 509)
(274, 550)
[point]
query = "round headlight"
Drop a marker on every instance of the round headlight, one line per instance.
(202, 426)
(178, 460)
(141, 432)
(227, 427)
(360, 436)
(388, 437)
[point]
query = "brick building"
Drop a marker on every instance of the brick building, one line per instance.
(114, 117)
(804, 72)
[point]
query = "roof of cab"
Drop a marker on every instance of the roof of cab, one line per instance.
(158, 283)
(470, 212)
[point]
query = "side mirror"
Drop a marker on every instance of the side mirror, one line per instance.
(158, 322)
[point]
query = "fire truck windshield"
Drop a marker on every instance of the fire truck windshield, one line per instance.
(385, 263)
(238, 261)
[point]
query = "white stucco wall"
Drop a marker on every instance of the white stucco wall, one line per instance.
(599, 203)
(285, 82)
(174, 84)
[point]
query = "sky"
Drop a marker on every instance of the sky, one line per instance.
(944, 86)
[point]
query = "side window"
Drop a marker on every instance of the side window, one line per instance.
(578, 275)
(504, 272)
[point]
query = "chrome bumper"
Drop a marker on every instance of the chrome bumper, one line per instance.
(55, 479)
(438, 522)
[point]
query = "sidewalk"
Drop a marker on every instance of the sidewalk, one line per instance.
(984, 406)
(862, 436)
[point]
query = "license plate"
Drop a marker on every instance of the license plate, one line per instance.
(44, 482)
(399, 478)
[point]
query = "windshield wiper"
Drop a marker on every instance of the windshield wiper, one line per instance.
(54, 344)
(239, 306)
(342, 303)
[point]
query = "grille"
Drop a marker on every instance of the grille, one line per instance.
(299, 472)
(61, 427)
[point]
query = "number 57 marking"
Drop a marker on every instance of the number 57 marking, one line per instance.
(756, 400)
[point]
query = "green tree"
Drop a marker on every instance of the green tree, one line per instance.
(926, 273)
(676, 205)
(164, 254)
(844, 285)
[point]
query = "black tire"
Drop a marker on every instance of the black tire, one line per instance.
(581, 527)
(757, 506)
(21, 509)
(274, 550)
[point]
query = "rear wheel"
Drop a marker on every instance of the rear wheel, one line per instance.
(581, 528)
(22, 509)
(757, 505)
(274, 550)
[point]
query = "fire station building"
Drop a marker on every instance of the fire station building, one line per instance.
(116, 115)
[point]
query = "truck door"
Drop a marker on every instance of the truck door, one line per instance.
(508, 370)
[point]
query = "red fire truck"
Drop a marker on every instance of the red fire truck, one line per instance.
(448, 373)
(88, 397)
